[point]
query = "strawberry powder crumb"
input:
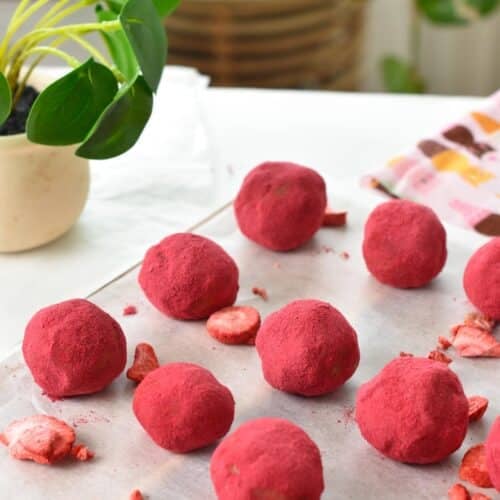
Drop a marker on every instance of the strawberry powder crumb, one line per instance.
(444, 343)
(439, 356)
(458, 492)
(129, 310)
(82, 453)
(403, 354)
(260, 292)
(345, 255)
(136, 495)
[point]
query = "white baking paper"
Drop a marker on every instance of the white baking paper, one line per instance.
(387, 321)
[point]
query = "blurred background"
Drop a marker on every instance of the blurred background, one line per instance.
(433, 46)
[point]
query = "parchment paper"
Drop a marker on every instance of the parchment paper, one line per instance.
(387, 321)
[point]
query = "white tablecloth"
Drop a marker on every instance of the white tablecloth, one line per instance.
(190, 161)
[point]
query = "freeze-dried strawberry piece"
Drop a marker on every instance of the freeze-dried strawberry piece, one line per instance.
(443, 343)
(136, 495)
(477, 407)
(479, 320)
(261, 292)
(473, 467)
(334, 219)
(145, 361)
(480, 496)
(475, 342)
(40, 438)
(403, 354)
(458, 492)
(439, 356)
(234, 325)
(129, 310)
(82, 453)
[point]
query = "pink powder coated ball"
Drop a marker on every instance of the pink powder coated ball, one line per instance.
(74, 348)
(183, 407)
(267, 458)
(482, 279)
(492, 446)
(307, 348)
(281, 205)
(187, 276)
(413, 411)
(404, 244)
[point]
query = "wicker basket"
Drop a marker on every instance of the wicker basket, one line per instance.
(270, 43)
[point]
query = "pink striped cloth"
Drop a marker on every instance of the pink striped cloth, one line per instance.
(456, 172)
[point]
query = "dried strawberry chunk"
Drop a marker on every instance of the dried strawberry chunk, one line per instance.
(234, 325)
(334, 219)
(458, 492)
(145, 361)
(444, 343)
(477, 407)
(480, 496)
(82, 453)
(473, 467)
(475, 342)
(40, 438)
(479, 320)
(260, 292)
(136, 495)
(439, 356)
(403, 354)
(129, 310)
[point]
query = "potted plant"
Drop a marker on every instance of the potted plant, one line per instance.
(49, 129)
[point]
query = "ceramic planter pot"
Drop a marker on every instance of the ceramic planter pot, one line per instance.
(43, 190)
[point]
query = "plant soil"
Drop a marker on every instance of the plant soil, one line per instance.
(16, 123)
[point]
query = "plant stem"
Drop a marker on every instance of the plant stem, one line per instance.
(66, 12)
(44, 33)
(96, 54)
(51, 12)
(19, 10)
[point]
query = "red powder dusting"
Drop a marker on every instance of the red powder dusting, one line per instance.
(40, 438)
(458, 492)
(187, 276)
(260, 292)
(204, 408)
(234, 325)
(482, 279)
(334, 219)
(473, 467)
(480, 496)
(348, 414)
(136, 495)
(420, 253)
(270, 456)
(281, 205)
(443, 343)
(492, 446)
(145, 361)
(403, 354)
(439, 356)
(82, 453)
(129, 310)
(477, 407)
(74, 348)
(345, 255)
(413, 411)
(290, 339)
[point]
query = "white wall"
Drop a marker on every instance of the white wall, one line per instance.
(454, 59)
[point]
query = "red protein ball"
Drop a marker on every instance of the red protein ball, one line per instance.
(187, 276)
(267, 458)
(413, 411)
(281, 205)
(183, 407)
(482, 279)
(404, 244)
(307, 348)
(74, 348)
(492, 447)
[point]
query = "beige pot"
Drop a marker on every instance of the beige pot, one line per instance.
(43, 190)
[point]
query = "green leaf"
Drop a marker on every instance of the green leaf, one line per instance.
(66, 111)
(401, 77)
(5, 99)
(483, 7)
(121, 124)
(119, 46)
(166, 7)
(441, 11)
(146, 34)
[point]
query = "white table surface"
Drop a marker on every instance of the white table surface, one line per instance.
(191, 160)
